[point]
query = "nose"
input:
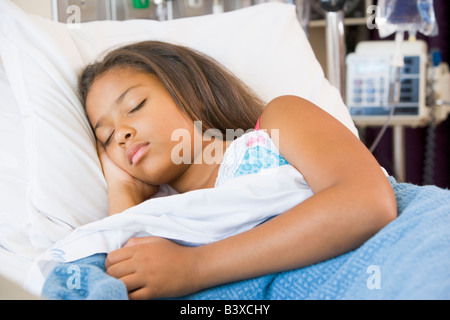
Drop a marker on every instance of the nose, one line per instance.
(124, 134)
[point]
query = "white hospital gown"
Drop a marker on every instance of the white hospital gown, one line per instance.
(249, 154)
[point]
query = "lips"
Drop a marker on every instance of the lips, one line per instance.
(136, 152)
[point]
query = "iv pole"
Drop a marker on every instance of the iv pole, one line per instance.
(336, 51)
(335, 41)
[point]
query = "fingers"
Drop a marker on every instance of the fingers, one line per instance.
(143, 293)
(117, 256)
(150, 267)
(115, 260)
(121, 265)
(125, 271)
(132, 282)
(137, 241)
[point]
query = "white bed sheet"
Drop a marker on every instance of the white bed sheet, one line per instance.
(16, 250)
(14, 267)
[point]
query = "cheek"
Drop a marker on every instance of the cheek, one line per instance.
(158, 166)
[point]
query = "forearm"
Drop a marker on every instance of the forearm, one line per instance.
(321, 227)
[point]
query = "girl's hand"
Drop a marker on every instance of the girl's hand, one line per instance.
(124, 191)
(153, 267)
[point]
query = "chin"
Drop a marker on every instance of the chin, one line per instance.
(166, 175)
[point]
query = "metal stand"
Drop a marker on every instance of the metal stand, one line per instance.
(55, 15)
(335, 41)
(336, 50)
(398, 152)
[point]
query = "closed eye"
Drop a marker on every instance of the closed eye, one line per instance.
(139, 106)
(108, 140)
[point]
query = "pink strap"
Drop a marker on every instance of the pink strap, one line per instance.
(257, 124)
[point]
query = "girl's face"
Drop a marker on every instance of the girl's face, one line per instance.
(134, 117)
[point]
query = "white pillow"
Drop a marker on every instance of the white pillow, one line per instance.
(13, 177)
(264, 45)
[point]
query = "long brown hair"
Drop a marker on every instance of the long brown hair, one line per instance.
(202, 88)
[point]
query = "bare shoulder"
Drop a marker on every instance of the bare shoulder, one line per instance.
(293, 110)
(283, 106)
(297, 116)
(314, 142)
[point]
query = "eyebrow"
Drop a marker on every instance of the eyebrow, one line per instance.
(118, 100)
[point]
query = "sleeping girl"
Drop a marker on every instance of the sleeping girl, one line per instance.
(138, 95)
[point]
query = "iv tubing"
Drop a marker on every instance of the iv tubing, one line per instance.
(397, 64)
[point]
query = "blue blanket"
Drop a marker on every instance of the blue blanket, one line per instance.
(408, 259)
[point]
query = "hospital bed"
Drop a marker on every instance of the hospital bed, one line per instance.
(52, 184)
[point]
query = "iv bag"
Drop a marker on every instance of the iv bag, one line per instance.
(410, 16)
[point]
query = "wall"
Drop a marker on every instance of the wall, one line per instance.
(38, 7)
